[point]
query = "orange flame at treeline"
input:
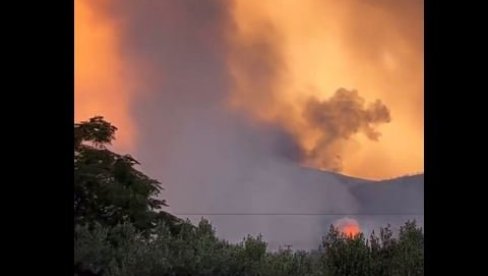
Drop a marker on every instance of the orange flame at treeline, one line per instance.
(349, 227)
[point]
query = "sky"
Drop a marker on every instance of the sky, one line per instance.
(217, 97)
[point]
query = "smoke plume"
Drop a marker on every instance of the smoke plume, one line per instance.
(337, 119)
(310, 48)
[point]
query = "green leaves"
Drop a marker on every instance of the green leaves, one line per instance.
(108, 189)
(96, 130)
(380, 255)
(409, 259)
(195, 250)
(346, 255)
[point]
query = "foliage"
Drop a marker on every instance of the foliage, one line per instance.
(195, 250)
(108, 188)
(121, 231)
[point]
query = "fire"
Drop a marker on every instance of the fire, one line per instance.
(350, 230)
(349, 227)
(283, 53)
(101, 81)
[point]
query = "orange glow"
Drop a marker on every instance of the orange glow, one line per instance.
(283, 52)
(349, 227)
(101, 82)
(350, 230)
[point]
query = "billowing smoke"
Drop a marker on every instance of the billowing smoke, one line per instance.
(337, 119)
(214, 125)
(310, 48)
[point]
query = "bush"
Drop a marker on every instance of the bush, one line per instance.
(195, 250)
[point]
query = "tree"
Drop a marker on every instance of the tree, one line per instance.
(383, 250)
(108, 189)
(121, 250)
(346, 255)
(409, 257)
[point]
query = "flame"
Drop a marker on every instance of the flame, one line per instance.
(101, 80)
(350, 230)
(283, 52)
(349, 227)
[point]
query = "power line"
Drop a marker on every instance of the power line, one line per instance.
(299, 214)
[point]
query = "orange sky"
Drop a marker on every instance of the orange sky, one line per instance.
(313, 48)
(101, 78)
(320, 46)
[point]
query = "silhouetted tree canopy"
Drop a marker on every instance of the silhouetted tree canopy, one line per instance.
(108, 187)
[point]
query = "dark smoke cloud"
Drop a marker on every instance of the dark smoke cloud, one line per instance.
(337, 119)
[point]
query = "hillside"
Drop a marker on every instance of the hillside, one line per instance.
(299, 208)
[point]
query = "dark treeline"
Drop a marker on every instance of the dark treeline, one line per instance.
(120, 229)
